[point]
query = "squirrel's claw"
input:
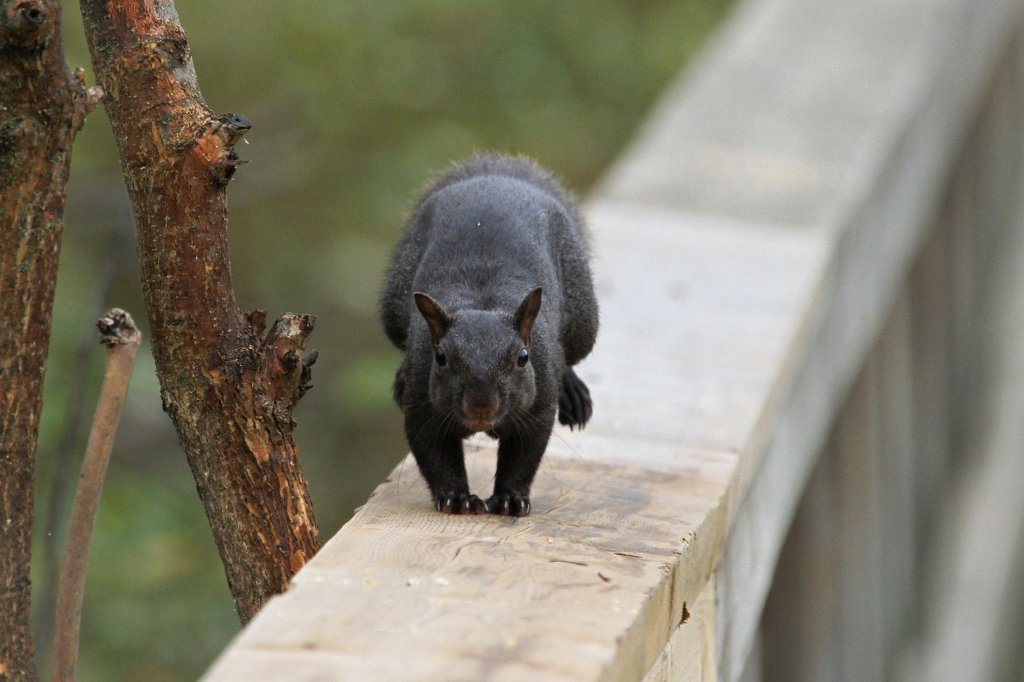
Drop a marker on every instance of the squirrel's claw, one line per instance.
(459, 503)
(509, 504)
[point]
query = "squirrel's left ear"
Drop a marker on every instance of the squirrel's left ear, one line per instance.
(527, 314)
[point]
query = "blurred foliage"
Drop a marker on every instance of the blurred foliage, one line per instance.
(354, 105)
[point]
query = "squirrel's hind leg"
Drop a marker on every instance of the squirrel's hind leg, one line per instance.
(574, 405)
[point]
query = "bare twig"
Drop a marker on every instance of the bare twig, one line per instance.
(122, 339)
(117, 249)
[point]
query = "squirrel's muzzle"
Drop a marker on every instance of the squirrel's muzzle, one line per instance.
(480, 410)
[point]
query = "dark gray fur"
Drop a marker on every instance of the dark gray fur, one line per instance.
(479, 242)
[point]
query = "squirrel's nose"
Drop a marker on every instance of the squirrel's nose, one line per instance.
(480, 407)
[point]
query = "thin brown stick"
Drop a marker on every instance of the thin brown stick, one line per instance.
(122, 339)
(58, 507)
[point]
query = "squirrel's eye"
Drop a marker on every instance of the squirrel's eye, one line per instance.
(440, 358)
(524, 357)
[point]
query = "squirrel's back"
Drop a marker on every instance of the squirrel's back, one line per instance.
(484, 234)
(517, 167)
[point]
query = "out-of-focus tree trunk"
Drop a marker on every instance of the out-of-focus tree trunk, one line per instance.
(228, 387)
(42, 106)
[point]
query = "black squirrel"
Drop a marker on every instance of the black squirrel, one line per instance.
(489, 294)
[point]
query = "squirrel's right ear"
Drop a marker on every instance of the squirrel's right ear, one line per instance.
(437, 319)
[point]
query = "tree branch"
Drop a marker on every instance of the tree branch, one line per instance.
(42, 106)
(122, 339)
(220, 380)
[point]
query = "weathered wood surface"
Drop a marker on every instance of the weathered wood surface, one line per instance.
(749, 249)
(483, 597)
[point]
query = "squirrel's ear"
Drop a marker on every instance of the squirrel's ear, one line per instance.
(437, 319)
(527, 314)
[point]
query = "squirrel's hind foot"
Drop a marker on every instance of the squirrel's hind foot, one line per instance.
(574, 405)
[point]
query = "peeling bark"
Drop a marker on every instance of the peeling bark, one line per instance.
(228, 388)
(42, 106)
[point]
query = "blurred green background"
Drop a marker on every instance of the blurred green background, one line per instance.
(354, 105)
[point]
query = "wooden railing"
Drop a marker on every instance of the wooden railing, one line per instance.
(797, 260)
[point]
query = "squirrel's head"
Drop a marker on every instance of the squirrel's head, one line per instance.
(482, 370)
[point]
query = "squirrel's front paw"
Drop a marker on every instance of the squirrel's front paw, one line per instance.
(459, 503)
(509, 504)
